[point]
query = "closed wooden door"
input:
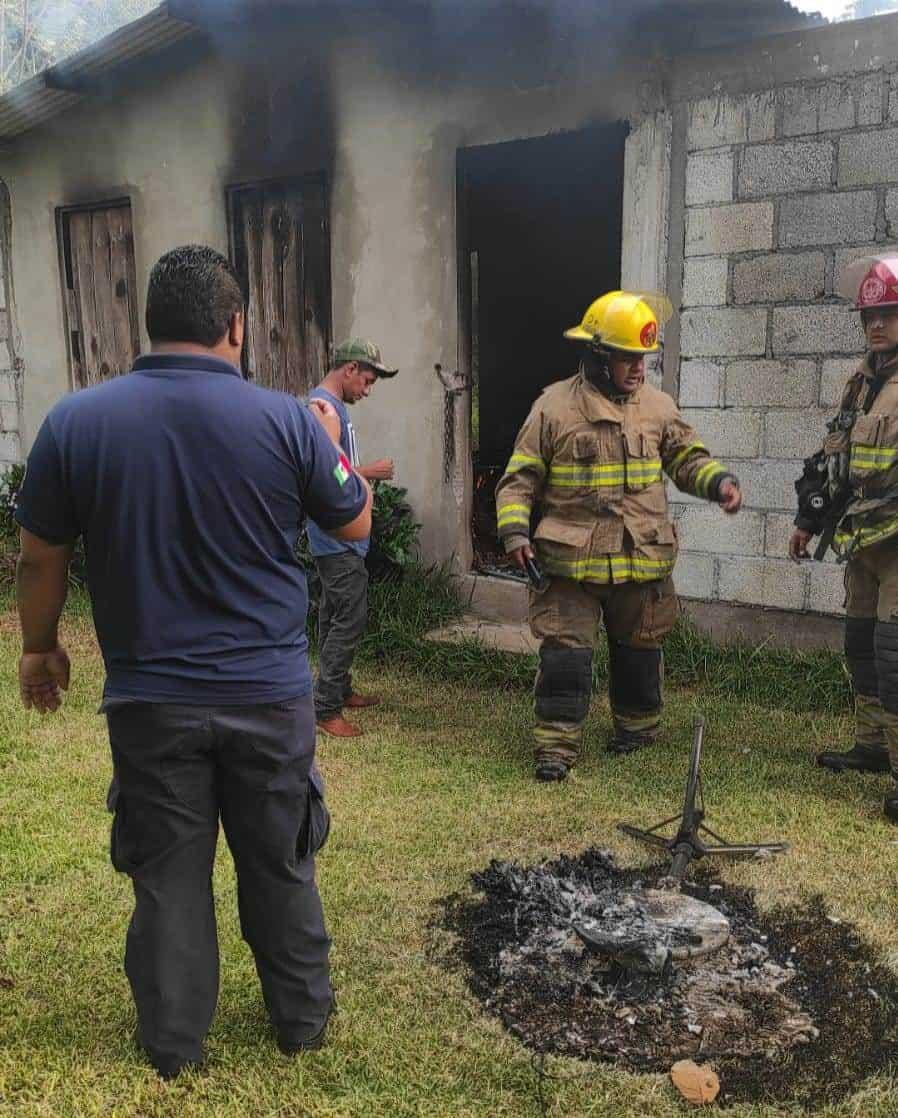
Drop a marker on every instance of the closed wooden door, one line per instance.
(281, 251)
(101, 292)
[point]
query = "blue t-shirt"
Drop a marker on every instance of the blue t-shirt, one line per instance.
(320, 543)
(189, 487)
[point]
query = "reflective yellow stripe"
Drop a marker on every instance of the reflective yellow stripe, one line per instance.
(506, 512)
(638, 472)
(522, 461)
(680, 457)
(611, 568)
(706, 475)
(513, 514)
(635, 724)
(864, 537)
(548, 734)
(872, 457)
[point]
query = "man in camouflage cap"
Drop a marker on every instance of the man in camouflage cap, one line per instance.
(343, 608)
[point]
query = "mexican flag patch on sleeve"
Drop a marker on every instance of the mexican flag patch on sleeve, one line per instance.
(342, 470)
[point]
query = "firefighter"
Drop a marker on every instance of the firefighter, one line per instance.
(587, 472)
(848, 495)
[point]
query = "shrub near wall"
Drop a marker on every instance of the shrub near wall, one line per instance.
(783, 187)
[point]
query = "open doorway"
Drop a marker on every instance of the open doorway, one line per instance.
(539, 239)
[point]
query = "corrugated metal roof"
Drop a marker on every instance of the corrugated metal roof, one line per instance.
(63, 85)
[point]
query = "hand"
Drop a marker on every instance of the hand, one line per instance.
(521, 554)
(42, 675)
(381, 470)
(327, 416)
(798, 545)
(730, 498)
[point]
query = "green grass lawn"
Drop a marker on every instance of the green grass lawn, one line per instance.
(439, 786)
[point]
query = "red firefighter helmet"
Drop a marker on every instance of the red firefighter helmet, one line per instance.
(871, 281)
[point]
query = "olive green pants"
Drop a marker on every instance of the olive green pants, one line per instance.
(871, 645)
(565, 619)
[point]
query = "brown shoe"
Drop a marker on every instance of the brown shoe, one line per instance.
(359, 702)
(338, 727)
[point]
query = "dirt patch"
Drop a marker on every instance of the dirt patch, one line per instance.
(795, 1007)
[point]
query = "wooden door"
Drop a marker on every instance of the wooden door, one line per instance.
(280, 247)
(101, 291)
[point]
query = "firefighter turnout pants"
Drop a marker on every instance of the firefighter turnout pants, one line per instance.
(871, 645)
(565, 618)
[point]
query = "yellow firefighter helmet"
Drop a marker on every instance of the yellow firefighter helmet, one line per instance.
(624, 320)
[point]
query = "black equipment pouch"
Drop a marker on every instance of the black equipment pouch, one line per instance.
(823, 490)
(812, 490)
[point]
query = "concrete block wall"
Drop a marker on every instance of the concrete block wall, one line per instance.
(782, 188)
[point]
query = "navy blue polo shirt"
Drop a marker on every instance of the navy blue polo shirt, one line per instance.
(189, 487)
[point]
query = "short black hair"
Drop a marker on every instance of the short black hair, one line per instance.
(192, 294)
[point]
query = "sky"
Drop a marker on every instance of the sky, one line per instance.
(830, 9)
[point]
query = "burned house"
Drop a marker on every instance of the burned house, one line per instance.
(458, 179)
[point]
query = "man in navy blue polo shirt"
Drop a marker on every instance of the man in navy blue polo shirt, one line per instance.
(189, 487)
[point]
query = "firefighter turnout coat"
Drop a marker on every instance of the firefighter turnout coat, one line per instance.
(588, 471)
(872, 446)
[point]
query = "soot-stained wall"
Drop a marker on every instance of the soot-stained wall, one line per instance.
(381, 104)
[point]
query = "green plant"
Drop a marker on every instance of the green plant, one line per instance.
(10, 483)
(394, 537)
(394, 531)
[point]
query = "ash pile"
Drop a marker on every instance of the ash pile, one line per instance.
(581, 958)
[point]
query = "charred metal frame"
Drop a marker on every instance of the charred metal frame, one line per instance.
(688, 842)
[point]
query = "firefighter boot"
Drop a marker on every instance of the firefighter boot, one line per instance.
(635, 694)
(624, 740)
(860, 758)
(563, 689)
(869, 753)
(548, 771)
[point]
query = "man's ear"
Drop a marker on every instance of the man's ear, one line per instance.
(236, 328)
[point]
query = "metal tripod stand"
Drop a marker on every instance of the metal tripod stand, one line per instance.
(688, 843)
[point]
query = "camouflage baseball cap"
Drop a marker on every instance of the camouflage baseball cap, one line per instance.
(365, 352)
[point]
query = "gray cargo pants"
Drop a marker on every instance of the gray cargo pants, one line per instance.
(178, 768)
(342, 616)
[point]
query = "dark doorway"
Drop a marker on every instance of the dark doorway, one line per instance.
(540, 238)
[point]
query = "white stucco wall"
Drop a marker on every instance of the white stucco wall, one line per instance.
(144, 145)
(175, 144)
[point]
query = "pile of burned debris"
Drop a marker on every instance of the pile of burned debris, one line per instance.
(580, 958)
